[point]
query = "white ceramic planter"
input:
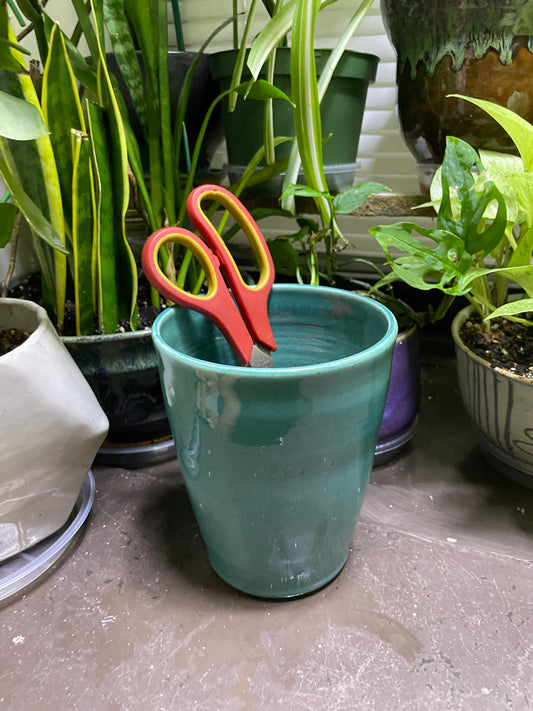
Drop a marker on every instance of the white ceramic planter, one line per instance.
(500, 405)
(51, 427)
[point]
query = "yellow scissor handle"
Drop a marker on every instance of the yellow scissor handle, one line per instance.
(252, 300)
(217, 304)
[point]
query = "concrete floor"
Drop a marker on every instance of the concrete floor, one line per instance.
(434, 609)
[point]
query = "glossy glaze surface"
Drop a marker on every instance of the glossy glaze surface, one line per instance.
(276, 461)
(479, 49)
(403, 397)
(121, 368)
(500, 405)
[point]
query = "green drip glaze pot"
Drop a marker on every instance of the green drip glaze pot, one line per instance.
(479, 49)
(276, 461)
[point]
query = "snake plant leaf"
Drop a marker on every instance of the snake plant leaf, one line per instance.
(118, 27)
(8, 212)
(19, 119)
(116, 270)
(106, 258)
(36, 190)
(520, 130)
(9, 60)
(83, 228)
(63, 113)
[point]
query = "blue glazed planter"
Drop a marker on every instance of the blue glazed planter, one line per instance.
(276, 461)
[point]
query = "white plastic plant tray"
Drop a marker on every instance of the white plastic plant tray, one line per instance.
(19, 571)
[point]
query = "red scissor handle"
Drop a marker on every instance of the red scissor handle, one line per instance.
(252, 300)
(217, 304)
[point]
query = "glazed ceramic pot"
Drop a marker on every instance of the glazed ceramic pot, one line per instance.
(403, 398)
(341, 113)
(276, 461)
(500, 405)
(121, 368)
(479, 49)
(51, 425)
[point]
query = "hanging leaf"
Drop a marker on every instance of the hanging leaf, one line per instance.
(20, 120)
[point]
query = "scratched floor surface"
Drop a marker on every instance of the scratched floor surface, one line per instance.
(434, 609)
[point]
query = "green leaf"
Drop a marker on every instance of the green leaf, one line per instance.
(39, 225)
(456, 176)
(20, 120)
(63, 113)
(8, 212)
(304, 191)
(9, 60)
(520, 131)
(424, 267)
(261, 90)
(83, 228)
(349, 200)
(118, 27)
(285, 257)
(117, 275)
(512, 308)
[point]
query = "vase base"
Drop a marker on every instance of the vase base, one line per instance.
(390, 448)
(136, 456)
(505, 465)
(273, 592)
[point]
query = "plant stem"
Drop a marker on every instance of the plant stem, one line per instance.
(12, 253)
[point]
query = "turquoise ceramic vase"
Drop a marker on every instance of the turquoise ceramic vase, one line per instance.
(276, 461)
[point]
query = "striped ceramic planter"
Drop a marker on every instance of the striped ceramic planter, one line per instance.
(500, 405)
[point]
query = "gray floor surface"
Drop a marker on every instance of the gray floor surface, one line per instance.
(434, 609)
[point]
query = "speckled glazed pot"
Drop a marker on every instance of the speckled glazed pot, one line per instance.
(276, 461)
(51, 426)
(500, 405)
(479, 49)
(121, 368)
(403, 398)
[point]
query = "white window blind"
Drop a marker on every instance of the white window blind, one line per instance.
(382, 155)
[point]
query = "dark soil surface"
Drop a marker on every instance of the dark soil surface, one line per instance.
(504, 343)
(11, 338)
(30, 289)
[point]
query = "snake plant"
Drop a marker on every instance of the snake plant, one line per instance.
(79, 167)
(70, 178)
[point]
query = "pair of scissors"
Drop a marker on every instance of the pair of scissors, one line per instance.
(242, 313)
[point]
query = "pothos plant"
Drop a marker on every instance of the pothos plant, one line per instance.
(483, 241)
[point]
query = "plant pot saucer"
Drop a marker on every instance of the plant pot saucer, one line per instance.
(389, 448)
(136, 456)
(503, 463)
(18, 572)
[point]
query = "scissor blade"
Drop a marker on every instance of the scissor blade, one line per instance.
(260, 357)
